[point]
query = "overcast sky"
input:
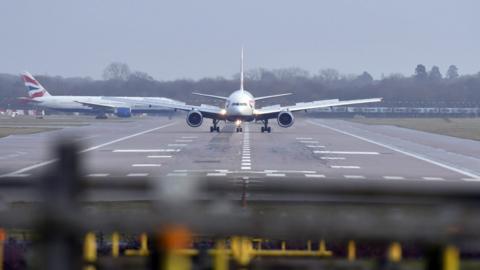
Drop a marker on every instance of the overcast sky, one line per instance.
(193, 39)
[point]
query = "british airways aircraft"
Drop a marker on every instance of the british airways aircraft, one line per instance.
(240, 107)
(99, 105)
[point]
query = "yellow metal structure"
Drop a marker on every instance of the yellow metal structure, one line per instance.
(451, 258)
(395, 252)
(143, 251)
(115, 244)
(90, 251)
(3, 237)
(352, 251)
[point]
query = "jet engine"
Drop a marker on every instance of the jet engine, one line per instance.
(194, 118)
(285, 119)
(123, 112)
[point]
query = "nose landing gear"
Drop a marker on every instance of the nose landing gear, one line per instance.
(238, 123)
(265, 127)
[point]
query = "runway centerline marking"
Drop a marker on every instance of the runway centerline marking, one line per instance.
(346, 152)
(45, 163)
(442, 165)
(316, 146)
(333, 158)
(146, 165)
(303, 138)
(159, 156)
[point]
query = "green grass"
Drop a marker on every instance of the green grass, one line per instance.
(6, 131)
(467, 128)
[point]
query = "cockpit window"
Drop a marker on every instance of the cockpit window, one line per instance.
(239, 104)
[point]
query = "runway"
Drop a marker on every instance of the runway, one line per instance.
(312, 149)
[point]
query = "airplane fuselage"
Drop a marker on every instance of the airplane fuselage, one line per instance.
(240, 106)
(73, 103)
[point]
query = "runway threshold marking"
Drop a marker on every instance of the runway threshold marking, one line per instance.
(346, 152)
(439, 164)
(45, 163)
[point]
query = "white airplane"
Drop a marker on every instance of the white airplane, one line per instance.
(99, 105)
(240, 107)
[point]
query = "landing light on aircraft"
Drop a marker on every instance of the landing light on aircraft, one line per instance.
(238, 123)
(223, 112)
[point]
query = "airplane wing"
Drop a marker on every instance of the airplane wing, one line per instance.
(208, 95)
(272, 111)
(104, 105)
(208, 111)
(272, 96)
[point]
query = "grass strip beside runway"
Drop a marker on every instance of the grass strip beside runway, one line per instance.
(467, 128)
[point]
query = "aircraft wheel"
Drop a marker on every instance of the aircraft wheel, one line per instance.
(218, 129)
(269, 129)
(263, 129)
(241, 129)
(211, 129)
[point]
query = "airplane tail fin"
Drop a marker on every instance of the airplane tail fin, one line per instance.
(34, 88)
(241, 71)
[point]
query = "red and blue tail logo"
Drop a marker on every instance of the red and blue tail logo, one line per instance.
(34, 88)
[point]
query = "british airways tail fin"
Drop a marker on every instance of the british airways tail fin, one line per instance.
(34, 88)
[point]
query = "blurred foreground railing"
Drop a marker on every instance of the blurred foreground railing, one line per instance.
(238, 219)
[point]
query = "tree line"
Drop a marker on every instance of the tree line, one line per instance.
(423, 86)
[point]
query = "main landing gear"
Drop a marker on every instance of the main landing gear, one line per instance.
(215, 127)
(239, 129)
(265, 127)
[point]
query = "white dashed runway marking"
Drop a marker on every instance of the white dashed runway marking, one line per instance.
(394, 178)
(309, 142)
(332, 158)
(344, 167)
(177, 145)
(428, 178)
(184, 141)
(144, 150)
(216, 174)
(98, 175)
(159, 156)
(146, 165)
(275, 175)
(137, 174)
(314, 175)
(303, 138)
(354, 176)
(316, 146)
(346, 152)
(189, 137)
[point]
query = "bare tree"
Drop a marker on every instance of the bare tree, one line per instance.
(116, 71)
